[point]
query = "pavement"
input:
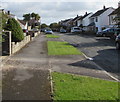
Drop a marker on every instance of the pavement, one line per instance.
(25, 75)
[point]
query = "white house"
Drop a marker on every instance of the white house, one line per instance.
(23, 24)
(101, 18)
(113, 15)
(84, 21)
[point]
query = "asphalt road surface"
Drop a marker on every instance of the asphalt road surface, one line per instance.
(100, 49)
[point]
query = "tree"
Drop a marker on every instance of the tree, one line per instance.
(43, 26)
(16, 30)
(4, 20)
(27, 17)
(55, 26)
(37, 17)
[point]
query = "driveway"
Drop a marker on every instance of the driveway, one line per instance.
(100, 49)
(25, 75)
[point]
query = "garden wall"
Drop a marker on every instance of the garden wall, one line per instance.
(17, 46)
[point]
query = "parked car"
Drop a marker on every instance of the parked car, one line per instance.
(116, 33)
(25, 30)
(48, 31)
(108, 32)
(76, 30)
(62, 30)
(43, 30)
(117, 42)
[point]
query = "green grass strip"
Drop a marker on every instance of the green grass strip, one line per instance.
(52, 36)
(73, 87)
(61, 48)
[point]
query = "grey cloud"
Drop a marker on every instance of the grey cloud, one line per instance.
(52, 11)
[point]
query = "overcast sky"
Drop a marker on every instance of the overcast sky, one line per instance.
(52, 11)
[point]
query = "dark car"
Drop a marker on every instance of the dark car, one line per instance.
(62, 30)
(116, 33)
(108, 32)
(117, 42)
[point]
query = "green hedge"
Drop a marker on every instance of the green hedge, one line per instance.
(14, 27)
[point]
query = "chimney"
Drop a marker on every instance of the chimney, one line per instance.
(119, 4)
(104, 7)
(8, 12)
(85, 13)
(77, 15)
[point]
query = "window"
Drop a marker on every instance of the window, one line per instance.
(96, 19)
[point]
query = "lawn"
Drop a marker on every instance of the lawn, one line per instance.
(61, 48)
(52, 36)
(74, 87)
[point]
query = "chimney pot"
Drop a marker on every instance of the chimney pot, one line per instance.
(104, 7)
(8, 12)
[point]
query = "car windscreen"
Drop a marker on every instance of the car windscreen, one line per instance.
(106, 29)
(48, 29)
(76, 28)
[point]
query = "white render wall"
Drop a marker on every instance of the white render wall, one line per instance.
(103, 19)
(86, 20)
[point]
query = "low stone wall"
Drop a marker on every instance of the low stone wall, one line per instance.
(17, 46)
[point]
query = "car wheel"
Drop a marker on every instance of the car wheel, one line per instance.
(103, 35)
(117, 46)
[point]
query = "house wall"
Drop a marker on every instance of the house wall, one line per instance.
(103, 20)
(86, 20)
(79, 22)
(111, 20)
(23, 26)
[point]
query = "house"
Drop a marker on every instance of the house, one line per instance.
(74, 20)
(100, 19)
(66, 24)
(23, 24)
(113, 16)
(84, 21)
(11, 15)
(33, 23)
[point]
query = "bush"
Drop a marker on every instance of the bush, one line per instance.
(16, 30)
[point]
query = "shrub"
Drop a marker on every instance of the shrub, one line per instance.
(16, 30)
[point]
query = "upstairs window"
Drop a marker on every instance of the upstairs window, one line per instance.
(96, 19)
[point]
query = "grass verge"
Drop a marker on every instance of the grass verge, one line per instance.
(52, 36)
(61, 48)
(74, 87)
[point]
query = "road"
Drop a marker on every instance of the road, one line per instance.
(100, 49)
(25, 76)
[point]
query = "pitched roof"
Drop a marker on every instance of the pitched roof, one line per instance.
(76, 18)
(22, 22)
(116, 11)
(85, 15)
(66, 20)
(99, 12)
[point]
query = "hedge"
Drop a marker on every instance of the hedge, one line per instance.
(16, 30)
